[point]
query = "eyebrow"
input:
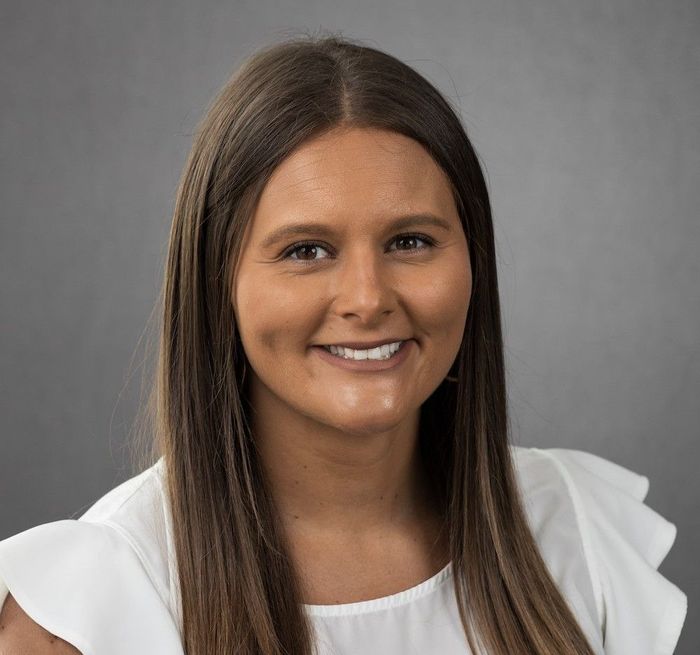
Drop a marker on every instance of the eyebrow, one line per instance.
(306, 229)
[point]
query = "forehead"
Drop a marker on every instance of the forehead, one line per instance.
(354, 173)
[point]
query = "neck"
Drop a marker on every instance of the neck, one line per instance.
(325, 481)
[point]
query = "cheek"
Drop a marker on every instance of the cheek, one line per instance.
(257, 321)
(268, 339)
(270, 315)
(443, 300)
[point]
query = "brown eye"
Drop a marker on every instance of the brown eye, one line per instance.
(306, 250)
(309, 249)
(412, 239)
(407, 240)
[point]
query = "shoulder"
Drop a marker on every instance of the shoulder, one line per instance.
(138, 511)
(102, 582)
(603, 545)
(20, 634)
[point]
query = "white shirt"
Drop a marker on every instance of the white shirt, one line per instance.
(107, 582)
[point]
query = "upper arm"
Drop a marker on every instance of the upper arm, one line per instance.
(21, 635)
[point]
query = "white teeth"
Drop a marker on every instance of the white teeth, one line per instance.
(380, 352)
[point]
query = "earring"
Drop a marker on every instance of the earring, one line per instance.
(452, 378)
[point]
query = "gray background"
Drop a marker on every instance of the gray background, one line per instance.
(585, 113)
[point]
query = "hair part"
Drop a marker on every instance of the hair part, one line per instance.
(231, 552)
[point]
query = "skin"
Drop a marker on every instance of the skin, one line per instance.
(19, 634)
(340, 447)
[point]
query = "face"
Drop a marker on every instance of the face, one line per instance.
(363, 271)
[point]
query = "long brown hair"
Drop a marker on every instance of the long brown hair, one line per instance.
(238, 587)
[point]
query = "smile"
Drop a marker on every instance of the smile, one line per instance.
(390, 356)
(386, 351)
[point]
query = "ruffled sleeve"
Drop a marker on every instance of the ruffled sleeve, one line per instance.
(85, 583)
(624, 542)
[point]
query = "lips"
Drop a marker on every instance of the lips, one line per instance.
(394, 362)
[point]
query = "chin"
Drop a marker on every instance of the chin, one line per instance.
(367, 425)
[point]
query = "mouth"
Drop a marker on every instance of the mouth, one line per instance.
(379, 352)
(381, 358)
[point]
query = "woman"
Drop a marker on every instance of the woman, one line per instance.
(333, 463)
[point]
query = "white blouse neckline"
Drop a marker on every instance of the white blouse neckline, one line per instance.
(385, 602)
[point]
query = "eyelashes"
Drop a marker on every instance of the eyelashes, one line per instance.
(294, 248)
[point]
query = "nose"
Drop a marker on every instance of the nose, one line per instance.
(364, 286)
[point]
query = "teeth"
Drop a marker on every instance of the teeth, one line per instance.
(380, 352)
